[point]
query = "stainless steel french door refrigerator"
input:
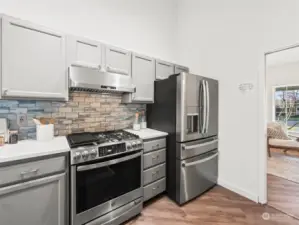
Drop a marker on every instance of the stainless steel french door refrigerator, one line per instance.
(186, 106)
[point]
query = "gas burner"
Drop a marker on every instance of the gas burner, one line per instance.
(91, 146)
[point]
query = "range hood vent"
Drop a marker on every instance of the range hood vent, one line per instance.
(94, 80)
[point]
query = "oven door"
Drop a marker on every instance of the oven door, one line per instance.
(102, 186)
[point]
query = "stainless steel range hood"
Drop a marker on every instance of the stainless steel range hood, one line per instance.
(84, 78)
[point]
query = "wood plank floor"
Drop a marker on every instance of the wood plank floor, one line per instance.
(285, 165)
(283, 195)
(216, 207)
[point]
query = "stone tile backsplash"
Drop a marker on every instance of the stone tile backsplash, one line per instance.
(84, 112)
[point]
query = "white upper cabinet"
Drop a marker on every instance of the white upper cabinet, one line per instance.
(85, 52)
(180, 69)
(118, 60)
(163, 69)
(33, 61)
(143, 77)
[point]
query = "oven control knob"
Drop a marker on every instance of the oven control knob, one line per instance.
(129, 146)
(77, 156)
(85, 155)
(139, 144)
(93, 153)
(134, 144)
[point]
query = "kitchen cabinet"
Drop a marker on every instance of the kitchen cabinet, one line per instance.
(38, 198)
(33, 61)
(180, 69)
(84, 52)
(163, 69)
(118, 60)
(143, 77)
(154, 164)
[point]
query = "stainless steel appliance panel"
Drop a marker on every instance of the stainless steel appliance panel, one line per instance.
(154, 189)
(119, 215)
(154, 174)
(195, 148)
(154, 158)
(197, 175)
(196, 107)
(154, 145)
(94, 187)
(211, 125)
(188, 106)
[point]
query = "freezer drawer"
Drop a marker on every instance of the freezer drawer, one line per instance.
(197, 175)
(154, 158)
(154, 189)
(154, 174)
(194, 148)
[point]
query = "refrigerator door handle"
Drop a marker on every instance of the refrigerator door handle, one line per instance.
(184, 147)
(204, 106)
(207, 107)
(200, 161)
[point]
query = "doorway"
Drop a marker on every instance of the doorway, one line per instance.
(282, 125)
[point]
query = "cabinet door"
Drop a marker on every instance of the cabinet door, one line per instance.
(143, 74)
(33, 61)
(38, 202)
(163, 69)
(118, 61)
(180, 69)
(84, 52)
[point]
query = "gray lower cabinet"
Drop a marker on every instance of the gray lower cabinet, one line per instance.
(154, 164)
(38, 200)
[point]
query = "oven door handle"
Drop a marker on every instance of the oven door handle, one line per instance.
(108, 163)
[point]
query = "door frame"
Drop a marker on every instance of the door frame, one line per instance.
(262, 124)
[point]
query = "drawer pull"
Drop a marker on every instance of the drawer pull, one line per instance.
(31, 172)
(155, 146)
(156, 173)
(154, 158)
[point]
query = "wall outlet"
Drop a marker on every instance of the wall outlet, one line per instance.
(22, 120)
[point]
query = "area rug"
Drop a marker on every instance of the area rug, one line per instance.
(283, 166)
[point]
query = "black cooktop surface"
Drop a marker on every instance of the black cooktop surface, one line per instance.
(84, 139)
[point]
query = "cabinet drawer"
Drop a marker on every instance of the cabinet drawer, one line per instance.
(154, 145)
(153, 174)
(154, 158)
(25, 171)
(154, 189)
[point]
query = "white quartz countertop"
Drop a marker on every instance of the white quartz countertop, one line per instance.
(31, 148)
(148, 133)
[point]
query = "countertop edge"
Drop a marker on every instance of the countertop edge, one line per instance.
(32, 155)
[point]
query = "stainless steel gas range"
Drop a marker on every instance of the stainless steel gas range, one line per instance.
(106, 178)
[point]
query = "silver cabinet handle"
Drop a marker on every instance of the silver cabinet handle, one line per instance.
(184, 147)
(87, 65)
(118, 71)
(29, 173)
(156, 173)
(111, 162)
(5, 92)
(200, 161)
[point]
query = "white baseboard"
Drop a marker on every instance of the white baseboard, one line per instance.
(242, 192)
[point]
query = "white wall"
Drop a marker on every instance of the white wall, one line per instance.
(146, 26)
(226, 40)
(219, 39)
(280, 75)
